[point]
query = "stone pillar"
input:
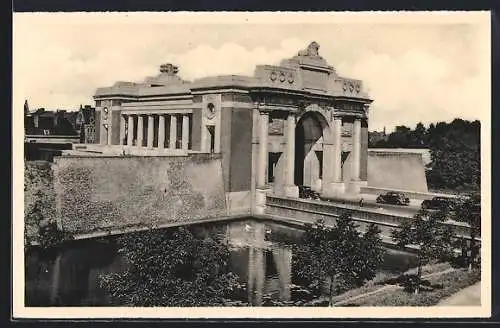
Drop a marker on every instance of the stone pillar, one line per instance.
(103, 137)
(260, 193)
(173, 131)
(356, 149)
(151, 130)
(337, 154)
(130, 133)
(140, 130)
(161, 132)
(185, 131)
(332, 162)
(355, 183)
(122, 129)
(291, 190)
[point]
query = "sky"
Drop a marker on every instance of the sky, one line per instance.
(416, 69)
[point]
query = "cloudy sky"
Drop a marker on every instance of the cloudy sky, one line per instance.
(418, 68)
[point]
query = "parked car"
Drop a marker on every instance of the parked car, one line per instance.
(393, 197)
(437, 203)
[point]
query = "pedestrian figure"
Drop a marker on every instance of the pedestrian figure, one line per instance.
(361, 202)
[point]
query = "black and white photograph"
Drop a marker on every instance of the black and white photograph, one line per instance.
(251, 165)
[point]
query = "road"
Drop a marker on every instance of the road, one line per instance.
(369, 201)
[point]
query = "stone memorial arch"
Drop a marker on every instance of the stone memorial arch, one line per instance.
(324, 129)
(297, 123)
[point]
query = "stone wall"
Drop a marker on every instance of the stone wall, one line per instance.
(100, 193)
(39, 197)
(396, 170)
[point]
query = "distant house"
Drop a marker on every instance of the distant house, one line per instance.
(47, 133)
(85, 124)
(61, 122)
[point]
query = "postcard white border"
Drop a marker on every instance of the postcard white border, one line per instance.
(443, 17)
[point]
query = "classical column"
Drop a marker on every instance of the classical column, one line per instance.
(332, 184)
(140, 130)
(356, 149)
(291, 190)
(337, 149)
(122, 129)
(185, 131)
(263, 154)
(110, 133)
(151, 130)
(260, 192)
(130, 133)
(161, 131)
(173, 131)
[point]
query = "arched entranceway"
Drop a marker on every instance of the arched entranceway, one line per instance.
(311, 131)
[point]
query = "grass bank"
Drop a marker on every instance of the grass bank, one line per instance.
(437, 288)
(382, 280)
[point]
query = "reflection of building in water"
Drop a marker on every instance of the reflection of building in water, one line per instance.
(268, 265)
(283, 259)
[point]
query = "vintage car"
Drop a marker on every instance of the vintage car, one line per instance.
(437, 203)
(393, 197)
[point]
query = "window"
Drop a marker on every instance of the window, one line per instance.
(211, 136)
(271, 167)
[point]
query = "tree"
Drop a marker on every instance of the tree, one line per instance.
(429, 234)
(171, 268)
(338, 257)
(418, 136)
(455, 155)
(468, 210)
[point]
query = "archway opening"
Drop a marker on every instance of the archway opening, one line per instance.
(309, 149)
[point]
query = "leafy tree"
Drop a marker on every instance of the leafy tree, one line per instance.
(455, 154)
(337, 256)
(427, 232)
(468, 210)
(171, 268)
(419, 136)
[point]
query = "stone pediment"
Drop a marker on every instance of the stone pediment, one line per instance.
(168, 76)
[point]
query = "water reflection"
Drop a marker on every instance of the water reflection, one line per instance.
(261, 255)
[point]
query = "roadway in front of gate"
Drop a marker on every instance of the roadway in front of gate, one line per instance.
(369, 202)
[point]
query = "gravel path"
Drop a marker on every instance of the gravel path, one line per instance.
(470, 296)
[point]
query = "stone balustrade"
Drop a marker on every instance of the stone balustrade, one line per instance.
(310, 211)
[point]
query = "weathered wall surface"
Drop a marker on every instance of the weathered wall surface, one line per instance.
(39, 197)
(402, 171)
(116, 192)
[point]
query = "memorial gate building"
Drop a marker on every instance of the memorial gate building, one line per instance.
(298, 123)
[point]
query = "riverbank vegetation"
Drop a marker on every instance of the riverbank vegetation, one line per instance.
(171, 268)
(338, 256)
(437, 288)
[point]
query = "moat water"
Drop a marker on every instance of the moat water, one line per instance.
(261, 255)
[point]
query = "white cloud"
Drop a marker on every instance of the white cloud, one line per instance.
(413, 73)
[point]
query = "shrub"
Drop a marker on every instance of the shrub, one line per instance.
(338, 256)
(171, 268)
